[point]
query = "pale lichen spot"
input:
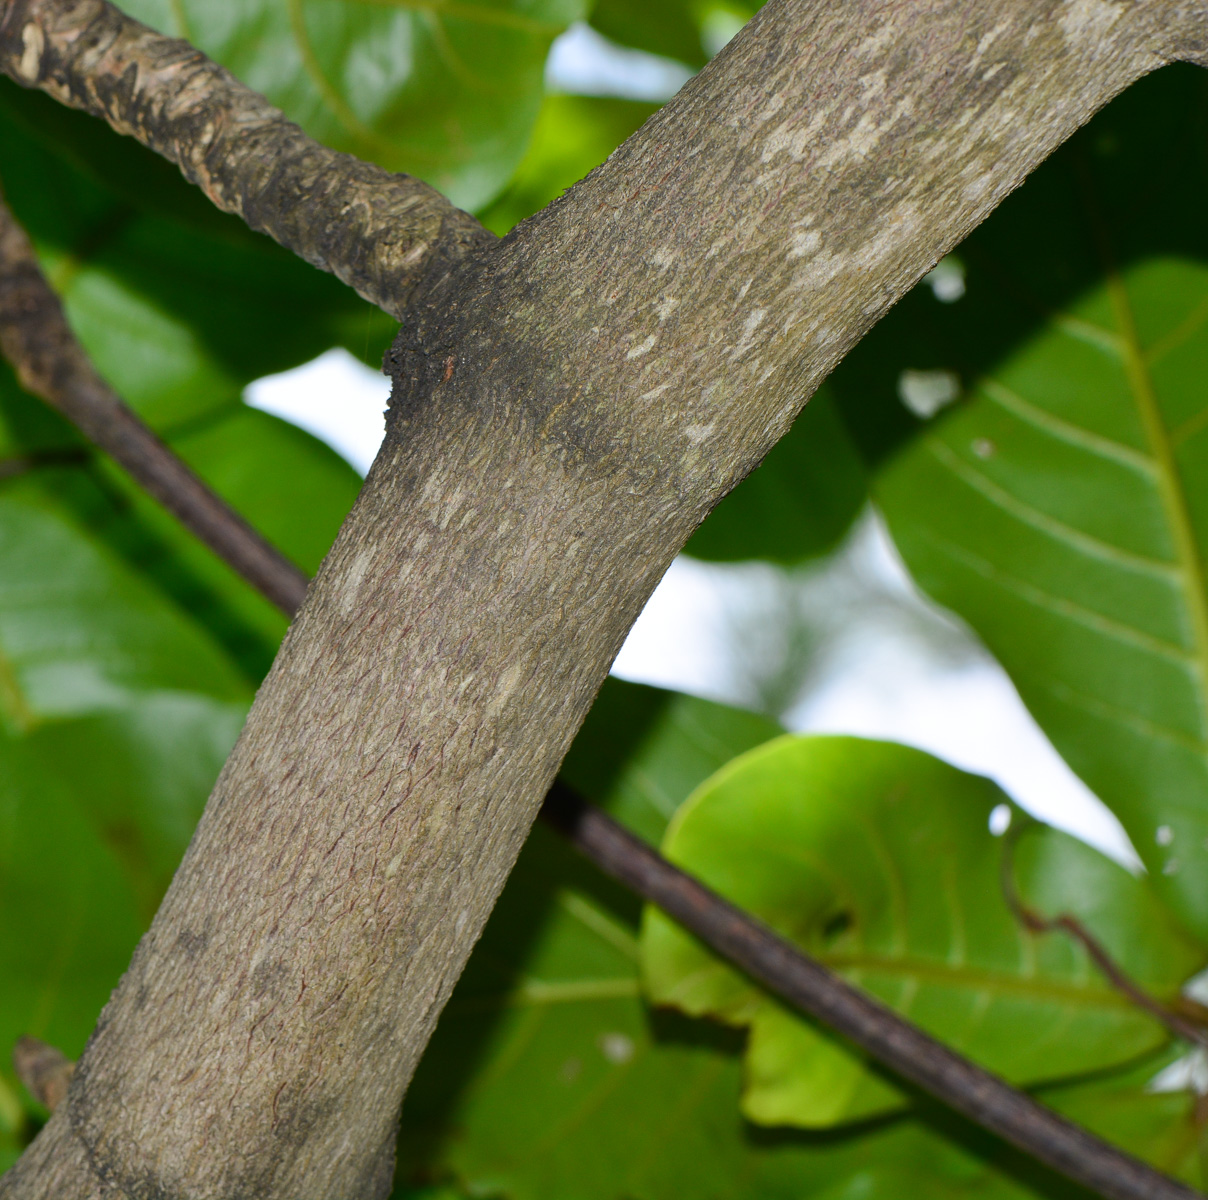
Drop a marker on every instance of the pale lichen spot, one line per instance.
(805, 242)
(874, 44)
(1088, 20)
(665, 307)
(988, 39)
(642, 347)
(774, 105)
(749, 326)
(353, 577)
(655, 393)
(698, 433)
(509, 680)
(393, 865)
(872, 84)
(33, 43)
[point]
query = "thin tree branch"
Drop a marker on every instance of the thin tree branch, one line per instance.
(807, 985)
(45, 1070)
(51, 363)
(381, 233)
(729, 931)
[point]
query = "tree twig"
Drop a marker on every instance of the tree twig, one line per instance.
(377, 231)
(808, 985)
(51, 363)
(1179, 1023)
(44, 1069)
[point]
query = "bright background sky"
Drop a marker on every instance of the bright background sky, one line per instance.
(846, 647)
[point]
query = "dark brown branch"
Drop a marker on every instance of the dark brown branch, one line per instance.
(45, 1070)
(379, 232)
(881, 1033)
(51, 364)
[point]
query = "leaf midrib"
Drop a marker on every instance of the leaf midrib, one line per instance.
(1171, 490)
(978, 979)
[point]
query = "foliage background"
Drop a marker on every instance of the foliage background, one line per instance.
(1053, 496)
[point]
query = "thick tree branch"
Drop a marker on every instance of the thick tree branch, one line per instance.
(51, 363)
(379, 232)
(566, 408)
(732, 933)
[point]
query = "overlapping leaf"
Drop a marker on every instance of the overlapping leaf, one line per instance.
(878, 860)
(1062, 507)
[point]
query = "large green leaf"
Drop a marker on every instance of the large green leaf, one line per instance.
(573, 135)
(446, 90)
(69, 913)
(1062, 507)
(798, 503)
(81, 632)
(877, 859)
(550, 1079)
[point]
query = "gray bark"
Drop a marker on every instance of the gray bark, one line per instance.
(568, 404)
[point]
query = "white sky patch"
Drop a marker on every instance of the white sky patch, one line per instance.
(927, 392)
(852, 647)
(947, 279)
(336, 397)
(583, 62)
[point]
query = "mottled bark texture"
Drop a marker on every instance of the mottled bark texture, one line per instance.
(568, 405)
(380, 233)
(50, 363)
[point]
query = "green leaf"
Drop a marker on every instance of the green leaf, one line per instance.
(1062, 507)
(670, 28)
(877, 860)
(572, 135)
(1161, 1128)
(798, 503)
(74, 908)
(549, 1078)
(688, 30)
(447, 90)
(642, 750)
(80, 632)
